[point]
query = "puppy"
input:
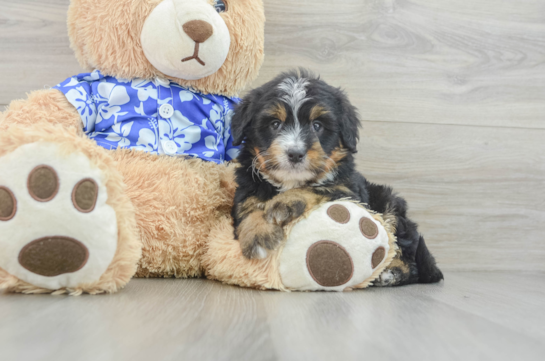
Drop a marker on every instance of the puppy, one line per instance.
(298, 137)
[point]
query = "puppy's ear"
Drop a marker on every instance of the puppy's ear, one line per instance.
(350, 124)
(241, 119)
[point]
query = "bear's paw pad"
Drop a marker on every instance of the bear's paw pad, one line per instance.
(338, 246)
(56, 228)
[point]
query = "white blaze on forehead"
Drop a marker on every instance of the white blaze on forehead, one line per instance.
(295, 96)
(291, 138)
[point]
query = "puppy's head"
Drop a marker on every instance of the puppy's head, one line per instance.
(297, 129)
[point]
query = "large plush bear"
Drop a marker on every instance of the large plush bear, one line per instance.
(124, 170)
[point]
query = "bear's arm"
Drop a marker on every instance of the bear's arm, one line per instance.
(50, 106)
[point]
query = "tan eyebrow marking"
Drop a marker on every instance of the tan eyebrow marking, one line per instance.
(317, 111)
(279, 112)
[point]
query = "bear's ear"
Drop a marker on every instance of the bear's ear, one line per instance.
(350, 123)
(242, 118)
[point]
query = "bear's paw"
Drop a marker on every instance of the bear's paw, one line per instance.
(56, 227)
(339, 246)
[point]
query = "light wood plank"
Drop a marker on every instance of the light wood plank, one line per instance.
(477, 192)
(505, 298)
(150, 320)
(370, 326)
(461, 319)
(34, 47)
(447, 62)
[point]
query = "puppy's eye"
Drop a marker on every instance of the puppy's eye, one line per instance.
(220, 6)
(317, 126)
(276, 124)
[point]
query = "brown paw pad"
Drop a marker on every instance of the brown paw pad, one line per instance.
(339, 213)
(329, 264)
(8, 204)
(378, 257)
(84, 195)
(43, 183)
(53, 256)
(368, 228)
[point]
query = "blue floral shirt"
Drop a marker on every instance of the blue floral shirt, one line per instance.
(155, 116)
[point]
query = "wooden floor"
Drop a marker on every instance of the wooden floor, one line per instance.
(472, 316)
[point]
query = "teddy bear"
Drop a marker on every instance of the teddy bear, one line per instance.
(126, 170)
(123, 170)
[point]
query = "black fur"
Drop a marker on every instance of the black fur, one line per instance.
(251, 127)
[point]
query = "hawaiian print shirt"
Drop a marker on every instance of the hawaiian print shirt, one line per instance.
(155, 116)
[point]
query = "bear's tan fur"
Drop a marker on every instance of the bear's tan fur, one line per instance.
(166, 207)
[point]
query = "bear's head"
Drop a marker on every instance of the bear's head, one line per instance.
(212, 46)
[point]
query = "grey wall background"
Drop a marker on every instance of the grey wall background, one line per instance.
(451, 93)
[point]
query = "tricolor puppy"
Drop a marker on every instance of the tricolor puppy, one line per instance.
(298, 137)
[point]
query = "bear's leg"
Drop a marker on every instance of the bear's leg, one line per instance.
(177, 201)
(66, 224)
(42, 106)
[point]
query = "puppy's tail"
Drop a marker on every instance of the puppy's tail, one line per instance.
(428, 272)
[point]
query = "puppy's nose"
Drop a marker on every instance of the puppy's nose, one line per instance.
(198, 30)
(295, 155)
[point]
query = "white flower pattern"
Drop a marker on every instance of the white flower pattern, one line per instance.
(124, 113)
(181, 130)
(147, 140)
(119, 134)
(109, 99)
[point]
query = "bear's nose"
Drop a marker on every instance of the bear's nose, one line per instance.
(198, 30)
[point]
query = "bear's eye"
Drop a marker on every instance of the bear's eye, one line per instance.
(220, 5)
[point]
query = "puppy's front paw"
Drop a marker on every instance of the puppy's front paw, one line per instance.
(282, 212)
(256, 236)
(256, 245)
